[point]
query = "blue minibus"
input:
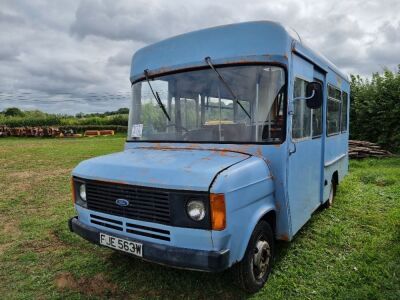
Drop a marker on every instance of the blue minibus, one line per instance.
(236, 135)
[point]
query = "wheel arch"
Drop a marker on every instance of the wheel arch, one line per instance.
(268, 214)
(335, 177)
(270, 218)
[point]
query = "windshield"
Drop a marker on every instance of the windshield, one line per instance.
(197, 106)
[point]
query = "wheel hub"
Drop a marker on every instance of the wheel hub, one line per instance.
(262, 254)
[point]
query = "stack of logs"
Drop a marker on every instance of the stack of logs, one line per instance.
(29, 131)
(48, 132)
(363, 149)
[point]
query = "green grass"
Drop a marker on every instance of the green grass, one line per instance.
(351, 251)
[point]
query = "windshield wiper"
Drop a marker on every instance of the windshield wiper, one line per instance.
(208, 61)
(156, 96)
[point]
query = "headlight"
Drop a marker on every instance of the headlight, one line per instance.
(196, 210)
(82, 191)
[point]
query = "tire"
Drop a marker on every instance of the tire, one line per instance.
(250, 275)
(332, 194)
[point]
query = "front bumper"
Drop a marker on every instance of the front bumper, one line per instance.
(201, 260)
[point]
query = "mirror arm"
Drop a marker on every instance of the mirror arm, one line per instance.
(305, 98)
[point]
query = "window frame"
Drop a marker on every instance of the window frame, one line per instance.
(340, 109)
(311, 136)
(341, 114)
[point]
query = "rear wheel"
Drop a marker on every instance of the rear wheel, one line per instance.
(252, 272)
(332, 194)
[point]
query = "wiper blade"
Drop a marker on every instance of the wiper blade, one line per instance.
(208, 61)
(156, 96)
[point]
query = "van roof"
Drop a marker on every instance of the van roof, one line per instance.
(258, 41)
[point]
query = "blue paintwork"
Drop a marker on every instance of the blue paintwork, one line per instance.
(236, 42)
(256, 179)
(159, 168)
(183, 237)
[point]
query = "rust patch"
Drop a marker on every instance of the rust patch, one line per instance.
(206, 158)
(283, 237)
(222, 152)
(259, 151)
(111, 181)
(278, 205)
(244, 149)
(97, 285)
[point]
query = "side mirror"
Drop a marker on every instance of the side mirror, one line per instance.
(314, 95)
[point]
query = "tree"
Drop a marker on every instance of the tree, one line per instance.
(123, 111)
(13, 112)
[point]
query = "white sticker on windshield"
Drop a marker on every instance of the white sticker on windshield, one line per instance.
(137, 130)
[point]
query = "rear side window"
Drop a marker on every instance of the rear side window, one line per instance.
(344, 111)
(333, 110)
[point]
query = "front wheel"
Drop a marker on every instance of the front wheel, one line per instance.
(253, 270)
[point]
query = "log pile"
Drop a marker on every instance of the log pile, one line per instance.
(30, 131)
(48, 132)
(363, 149)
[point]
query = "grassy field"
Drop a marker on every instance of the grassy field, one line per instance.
(351, 251)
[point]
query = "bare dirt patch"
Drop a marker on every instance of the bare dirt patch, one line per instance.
(97, 285)
(9, 227)
(4, 247)
(49, 245)
(38, 174)
(24, 181)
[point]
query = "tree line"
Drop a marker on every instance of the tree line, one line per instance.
(375, 109)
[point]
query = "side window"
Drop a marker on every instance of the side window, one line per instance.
(301, 122)
(317, 121)
(344, 111)
(333, 111)
(306, 122)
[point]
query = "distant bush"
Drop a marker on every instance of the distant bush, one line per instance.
(38, 118)
(83, 128)
(30, 121)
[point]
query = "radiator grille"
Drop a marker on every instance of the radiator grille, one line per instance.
(136, 229)
(145, 204)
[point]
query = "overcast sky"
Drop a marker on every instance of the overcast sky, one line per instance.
(73, 56)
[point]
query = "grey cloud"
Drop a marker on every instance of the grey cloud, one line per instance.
(122, 58)
(78, 72)
(8, 53)
(391, 32)
(74, 55)
(144, 21)
(7, 18)
(117, 22)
